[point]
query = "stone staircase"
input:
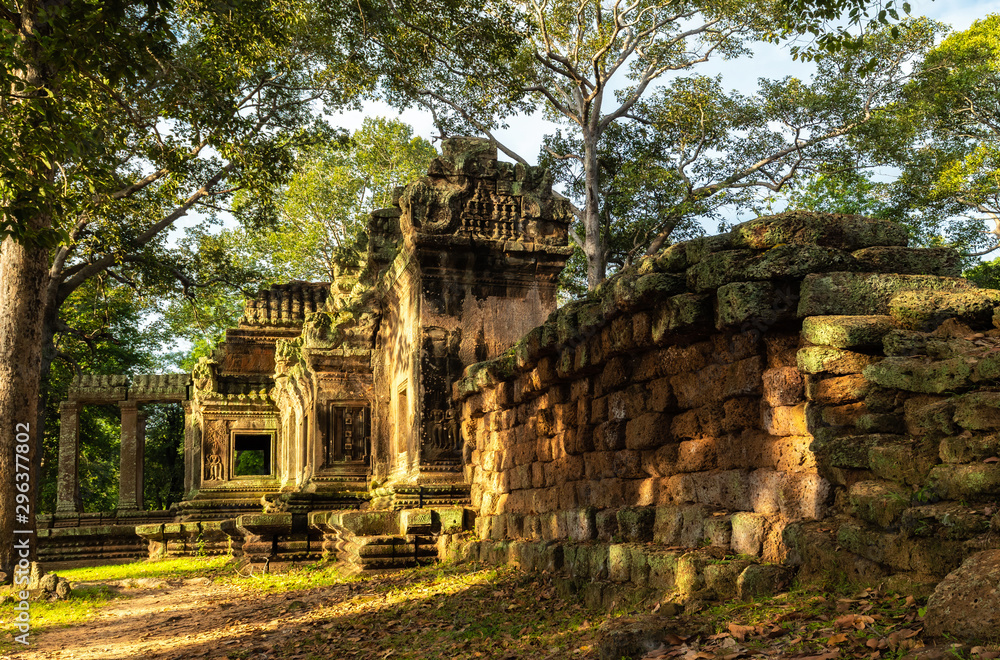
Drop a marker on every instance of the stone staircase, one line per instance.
(378, 540)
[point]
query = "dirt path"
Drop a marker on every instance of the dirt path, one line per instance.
(184, 619)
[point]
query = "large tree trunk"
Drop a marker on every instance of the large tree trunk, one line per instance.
(23, 278)
(593, 241)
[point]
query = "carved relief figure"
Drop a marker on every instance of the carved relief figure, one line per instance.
(215, 445)
(215, 467)
(441, 366)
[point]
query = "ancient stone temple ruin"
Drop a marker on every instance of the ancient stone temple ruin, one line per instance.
(806, 390)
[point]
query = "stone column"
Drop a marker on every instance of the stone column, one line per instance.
(68, 490)
(128, 498)
(140, 457)
(192, 452)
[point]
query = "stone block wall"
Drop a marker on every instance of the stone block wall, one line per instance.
(735, 389)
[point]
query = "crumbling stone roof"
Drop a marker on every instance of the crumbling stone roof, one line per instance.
(285, 304)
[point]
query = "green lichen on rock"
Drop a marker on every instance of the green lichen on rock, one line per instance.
(861, 294)
(978, 411)
(965, 482)
(680, 312)
(672, 259)
(987, 369)
(699, 248)
(949, 520)
(847, 451)
(925, 310)
(911, 261)
(719, 268)
(827, 359)
(739, 302)
(791, 260)
(849, 232)
(916, 374)
(967, 448)
(905, 462)
(879, 502)
(846, 331)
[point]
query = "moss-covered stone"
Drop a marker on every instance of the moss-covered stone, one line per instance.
(968, 448)
(906, 462)
(721, 577)
(926, 310)
(848, 451)
(762, 580)
(698, 249)
(911, 261)
(635, 523)
(950, 520)
(679, 313)
(965, 482)
(879, 502)
(978, 411)
(720, 268)
(739, 302)
(846, 331)
(904, 342)
(672, 259)
(820, 359)
(879, 423)
(926, 415)
(864, 294)
(882, 400)
(915, 374)
(662, 569)
(849, 232)
(657, 286)
(987, 369)
(790, 260)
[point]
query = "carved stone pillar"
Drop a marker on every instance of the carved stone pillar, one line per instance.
(68, 491)
(129, 496)
(140, 456)
(192, 452)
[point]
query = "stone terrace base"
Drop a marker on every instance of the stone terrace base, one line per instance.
(628, 574)
(89, 537)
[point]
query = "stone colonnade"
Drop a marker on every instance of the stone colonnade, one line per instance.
(129, 395)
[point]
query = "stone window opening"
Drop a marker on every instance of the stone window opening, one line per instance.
(252, 454)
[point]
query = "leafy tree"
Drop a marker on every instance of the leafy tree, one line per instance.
(951, 164)
(693, 152)
(324, 209)
(588, 64)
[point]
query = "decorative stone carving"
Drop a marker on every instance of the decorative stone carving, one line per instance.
(215, 446)
(285, 304)
(102, 388)
(159, 386)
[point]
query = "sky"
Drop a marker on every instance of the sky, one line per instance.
(525, 133)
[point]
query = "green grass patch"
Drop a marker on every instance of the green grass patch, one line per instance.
(78, 608)
(164, 569)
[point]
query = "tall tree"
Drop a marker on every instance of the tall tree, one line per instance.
(951, 163)
(692, 152)
(323, 211)
(588, 63)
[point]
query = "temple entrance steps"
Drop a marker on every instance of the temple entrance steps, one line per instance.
(384, 539)
(367, 553)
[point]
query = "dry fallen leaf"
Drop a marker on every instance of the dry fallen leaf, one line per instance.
(741, 632)
(839, 638)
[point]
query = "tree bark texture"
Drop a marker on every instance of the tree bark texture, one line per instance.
(23, 278)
